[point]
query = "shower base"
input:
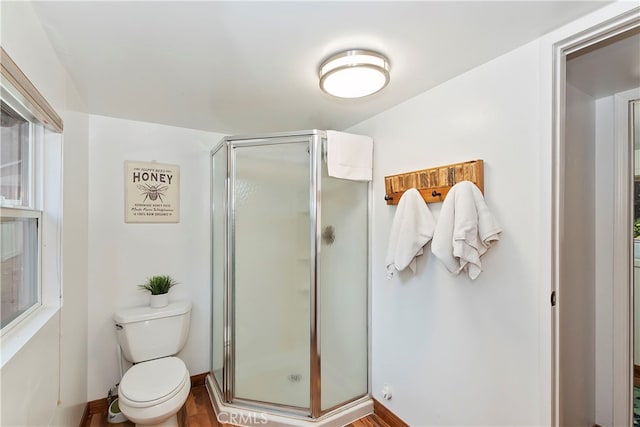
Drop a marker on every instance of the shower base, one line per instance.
(230, 414)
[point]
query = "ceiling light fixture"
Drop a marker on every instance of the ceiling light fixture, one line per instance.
(354, 73)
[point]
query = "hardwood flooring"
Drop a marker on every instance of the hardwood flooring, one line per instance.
(371, 421)
(198, 412)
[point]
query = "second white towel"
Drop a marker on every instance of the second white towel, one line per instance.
(465, 230)
(412, 228)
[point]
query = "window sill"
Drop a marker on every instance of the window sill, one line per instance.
(13, 341)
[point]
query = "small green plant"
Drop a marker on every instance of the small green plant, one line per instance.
(158, 285)
(636, 228)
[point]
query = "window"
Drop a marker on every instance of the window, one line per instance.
(14, 157)
(30, 209)
(20, 266)
(20, 221)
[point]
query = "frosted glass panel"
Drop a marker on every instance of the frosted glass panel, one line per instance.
(218, 256)
(272, 273)
(264, 270)
(343, 290)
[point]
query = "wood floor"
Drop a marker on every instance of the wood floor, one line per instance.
(198, 412)
(371, 421)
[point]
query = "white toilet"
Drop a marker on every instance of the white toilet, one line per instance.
(154, 389)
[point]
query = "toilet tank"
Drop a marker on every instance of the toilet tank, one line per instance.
(146, 333)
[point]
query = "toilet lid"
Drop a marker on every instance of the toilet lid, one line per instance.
(153, 380)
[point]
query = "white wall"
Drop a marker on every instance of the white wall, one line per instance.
(121, 256)
(604, 160)
(73, 340)
(444, 342)
(45, 382)
(30, 381)
(576, 294)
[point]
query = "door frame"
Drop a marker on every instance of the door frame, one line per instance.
(623, 313)
(622, 362)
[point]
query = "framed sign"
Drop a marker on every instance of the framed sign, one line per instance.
(151, 192)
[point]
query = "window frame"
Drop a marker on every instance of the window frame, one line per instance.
(30, 207)
(13, 212)
(18, 85)
(32, 188)
(45, 158)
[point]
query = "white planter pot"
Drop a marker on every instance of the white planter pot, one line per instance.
(158, 301)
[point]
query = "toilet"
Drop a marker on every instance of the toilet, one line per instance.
(154, 389)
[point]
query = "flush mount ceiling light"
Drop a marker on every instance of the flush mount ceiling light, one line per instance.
(354, 73)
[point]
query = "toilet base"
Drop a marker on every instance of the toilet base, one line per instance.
(172, 421)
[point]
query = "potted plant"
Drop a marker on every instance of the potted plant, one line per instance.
(159, 287)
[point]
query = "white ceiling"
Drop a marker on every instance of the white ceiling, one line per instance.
(606, 68)
(245, 67)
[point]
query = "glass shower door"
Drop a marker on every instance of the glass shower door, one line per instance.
(218, 257)
(343, 282)
(271, 271)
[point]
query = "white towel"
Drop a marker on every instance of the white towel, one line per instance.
(466, 229)
(412, 228)
(349, 156)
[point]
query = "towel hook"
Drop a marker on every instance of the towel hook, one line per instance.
(387, 197)
(434, 193)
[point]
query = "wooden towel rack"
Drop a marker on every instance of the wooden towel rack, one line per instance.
(434, 183)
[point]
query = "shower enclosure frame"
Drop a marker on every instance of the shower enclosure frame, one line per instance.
(316, 140)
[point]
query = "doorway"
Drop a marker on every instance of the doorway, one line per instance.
(634, 128)
(596, 78)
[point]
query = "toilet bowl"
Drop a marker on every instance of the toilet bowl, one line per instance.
(151, 393)
(154, 389)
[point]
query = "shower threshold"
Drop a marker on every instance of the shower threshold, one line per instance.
(237, 416)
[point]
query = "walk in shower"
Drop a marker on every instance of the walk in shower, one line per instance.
(289, 278)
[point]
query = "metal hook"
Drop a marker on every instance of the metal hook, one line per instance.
(434, 193)
(387, 198)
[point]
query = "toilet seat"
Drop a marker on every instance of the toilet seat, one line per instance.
(154, 382)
